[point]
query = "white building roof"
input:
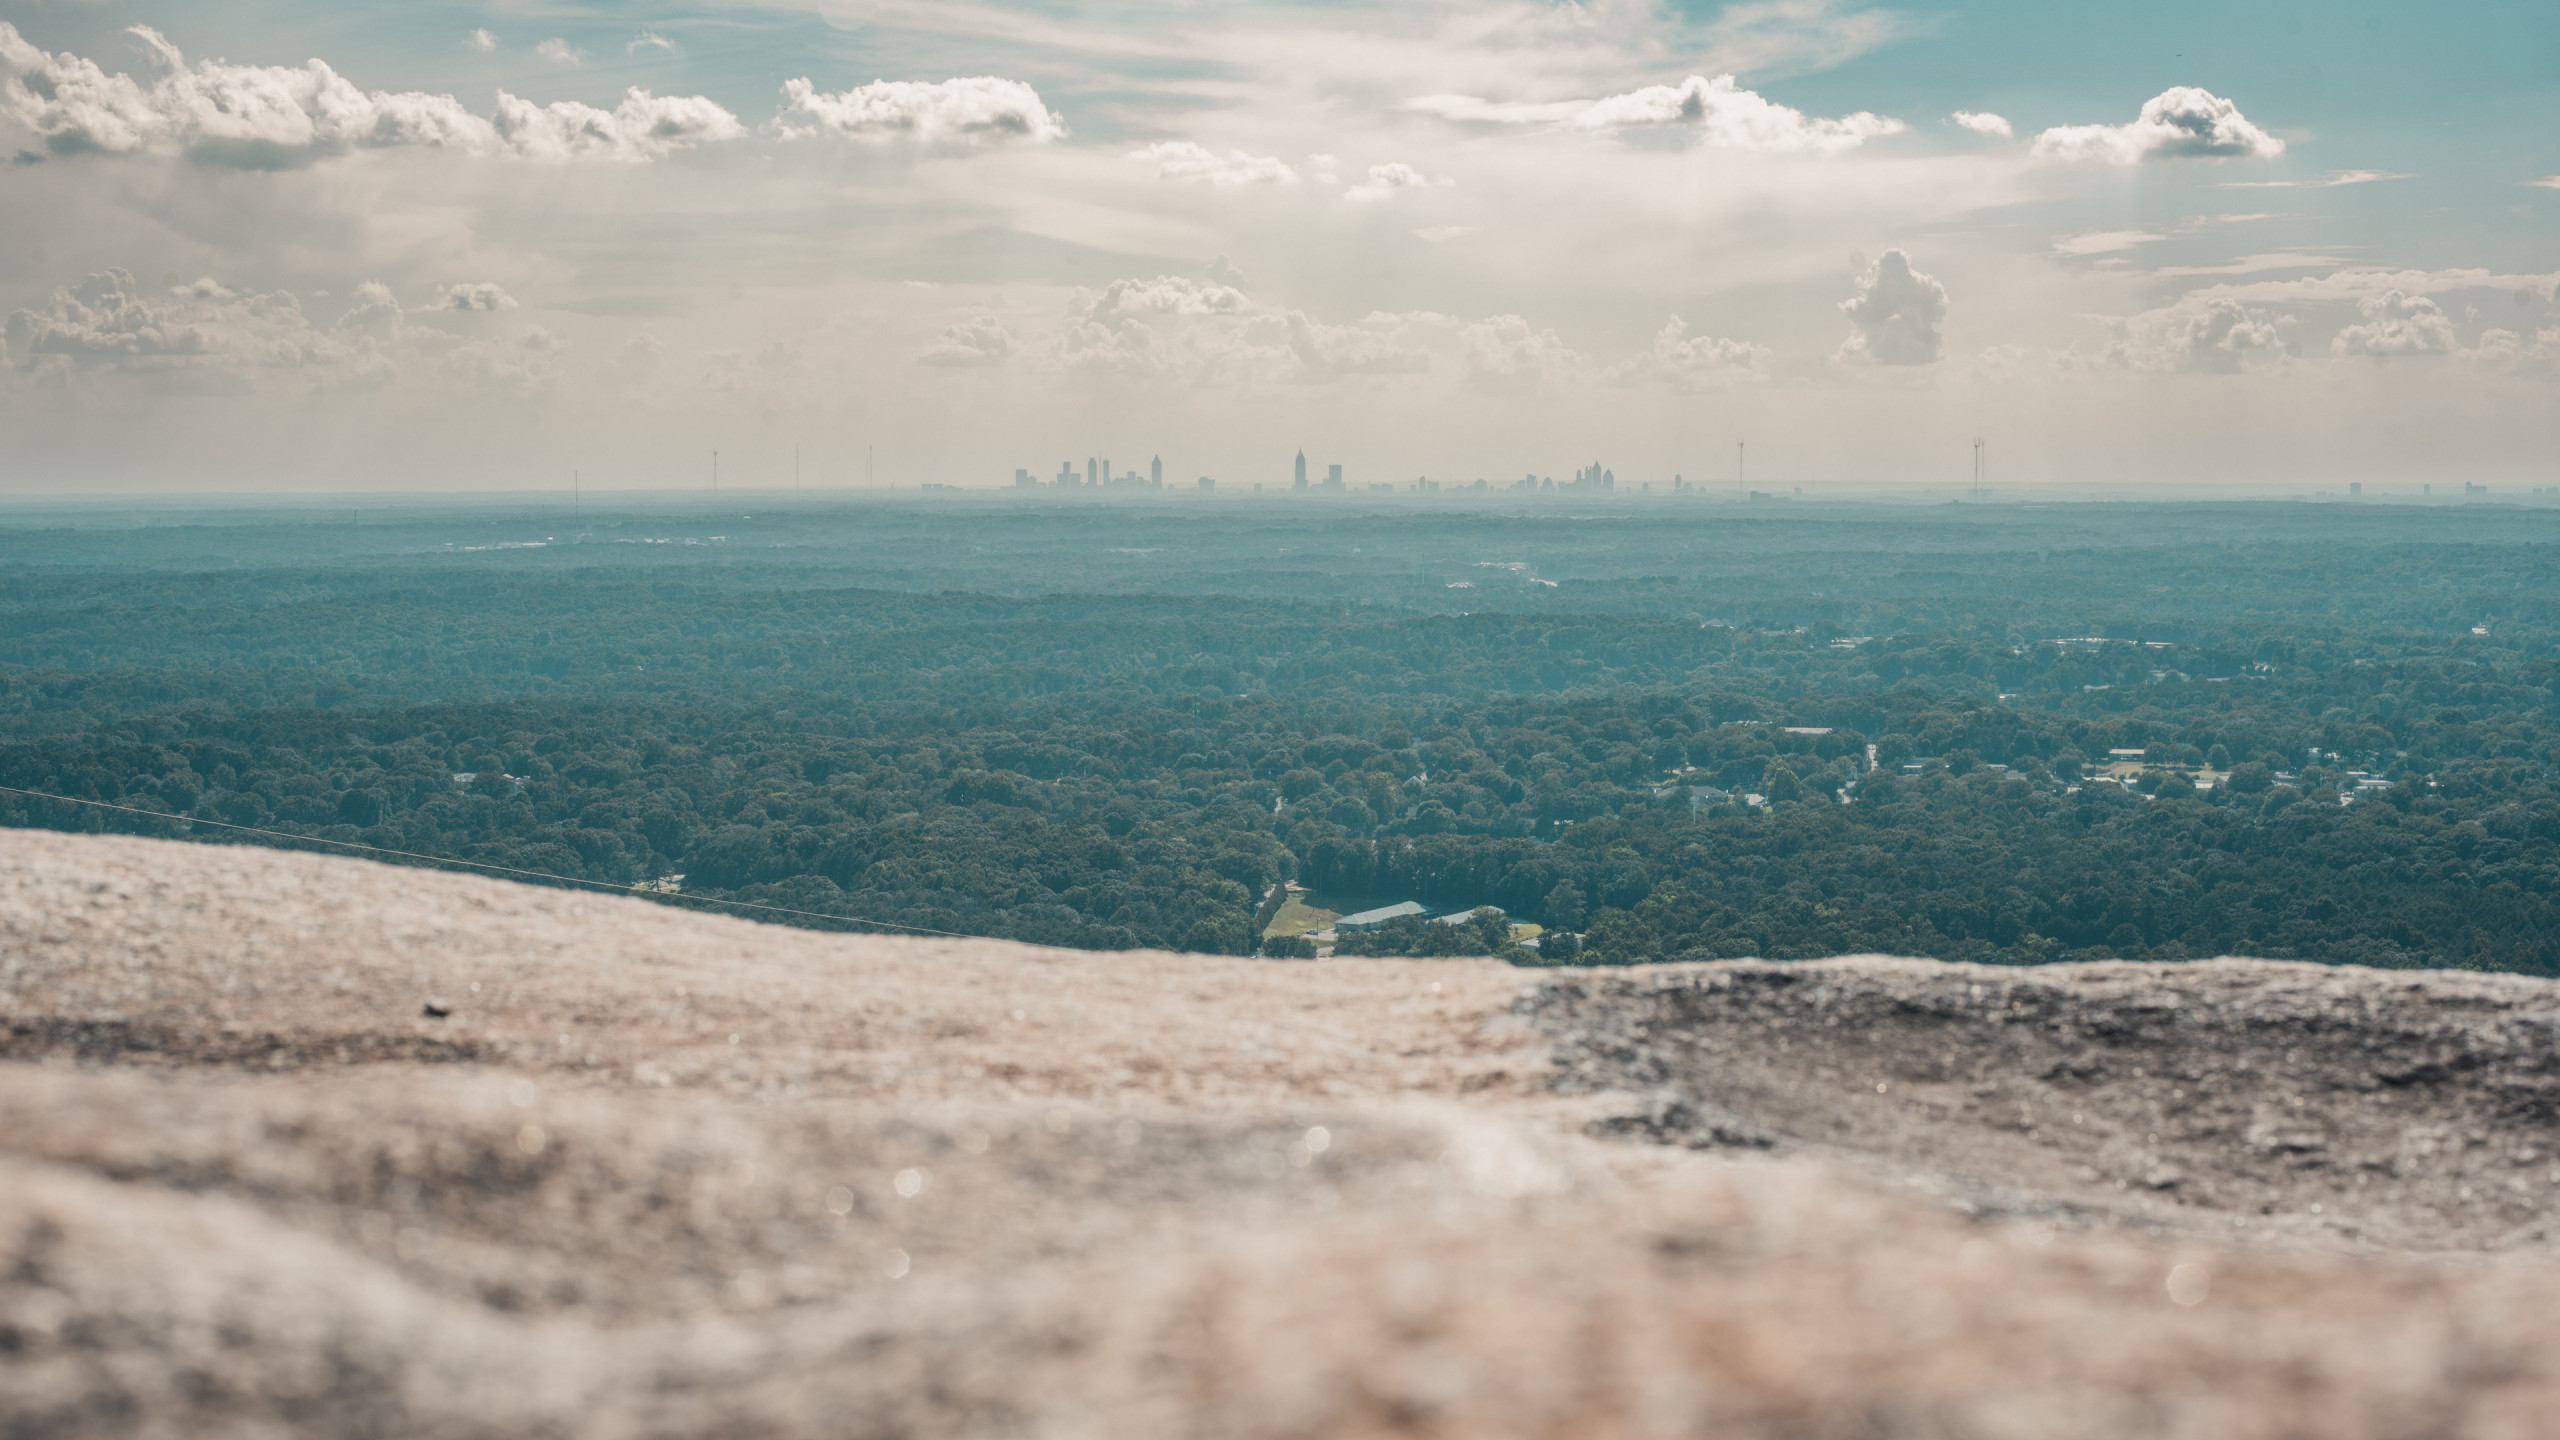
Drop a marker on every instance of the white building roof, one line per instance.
(1380, 916)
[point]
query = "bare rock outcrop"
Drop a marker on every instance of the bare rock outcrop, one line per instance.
(2416, 1111)
(660, 1174)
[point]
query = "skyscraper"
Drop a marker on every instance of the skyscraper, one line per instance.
(1155, 472)
(1302, 470)
(1088, 470)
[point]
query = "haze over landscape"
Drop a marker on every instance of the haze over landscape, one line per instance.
(484, 246)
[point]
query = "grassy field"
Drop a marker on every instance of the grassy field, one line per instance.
(1298, 917)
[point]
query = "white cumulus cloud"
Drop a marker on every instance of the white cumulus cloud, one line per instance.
(1169, 327)
(1165, 326)
(1895, 315)
(1373, 347)
(376, 313)
(265, 117)
(483, 41)
(1166, 295)
(1983, 122)
(2536, 351)
(2199, 335)
(2180, 123)
(970, 345)
(558, 51)
(977, 110)
(649, 40)
(108, 330)
(1506, 352)
(1679, 357)
(1719, 112)
(1186, 163)
(106, 319)
(1180, 330)
(466, 297)
(1385, 180)
(2396, 324)
(642, 127)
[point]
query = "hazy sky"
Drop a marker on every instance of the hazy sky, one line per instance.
(293, 245)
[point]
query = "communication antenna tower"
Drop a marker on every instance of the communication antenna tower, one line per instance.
(1980, 492)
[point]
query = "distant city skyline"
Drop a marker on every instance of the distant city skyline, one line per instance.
(476, 247)
(1596, 478)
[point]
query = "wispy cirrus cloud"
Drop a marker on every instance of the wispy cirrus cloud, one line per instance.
(1786, 36)
(1476, 110)
(1185, 162)
(1386, 180)
(2330, 181)
(2256, 264)
(2357, 283)
(2105, 242)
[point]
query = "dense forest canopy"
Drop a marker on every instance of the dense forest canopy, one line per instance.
(1119, 724)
